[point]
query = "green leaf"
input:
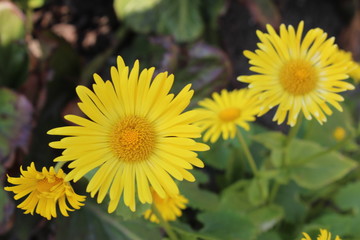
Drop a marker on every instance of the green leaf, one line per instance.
(236, 199)
(270, 236)
(13, 64)
(324, 135)
(258, 191)
(337, 224)
(30, 4)
(125, 212)
(186, 233)
(348, 197)
(125, 8)
(313, 173)
(289, 198)
(227, 225)
(182, 19)
(140, 15)
(11, 23)
(196, 196)
(92, 222)
(267, 217)
(220, 154)
(15, 122)
(271, 140)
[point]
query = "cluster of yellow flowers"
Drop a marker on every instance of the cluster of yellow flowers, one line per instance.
(138, 137)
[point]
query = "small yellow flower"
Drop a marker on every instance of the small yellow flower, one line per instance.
(354, 71)
(45, 190)
(355, 74)
(136, 135)
(339, 133)
(298, 74)
(169, 207)
(225, 111)
(324, 235)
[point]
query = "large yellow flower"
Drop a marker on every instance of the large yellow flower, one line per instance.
(169, 207)
(137, 135)
(225, 111)
(45, 190)
(324, 235)
(297, 74)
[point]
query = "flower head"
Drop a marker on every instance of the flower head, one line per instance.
(225, 111)
(45, 190)
(354, 68)
(324, 235)
(339, 134)
(169, 207)
(137, 136)
(297, 74)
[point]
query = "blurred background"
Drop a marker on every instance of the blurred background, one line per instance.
(48, 47)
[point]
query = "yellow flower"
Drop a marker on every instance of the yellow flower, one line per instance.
(354, 71)
(324, 235)
(45, 190)
(297, 74)
(169, 207)
(225, 111)
(137, 135)
(339, 133)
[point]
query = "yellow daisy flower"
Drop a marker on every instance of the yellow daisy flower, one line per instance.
(324, 235)
(339, 134)
(45, 190)
(354, 71)
(297, 74)
(225, 111)
(137, 135)
(169, 207)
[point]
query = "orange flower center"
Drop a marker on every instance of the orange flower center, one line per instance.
(133, 139)
(229, 114)
(298, 77)
(47, 184)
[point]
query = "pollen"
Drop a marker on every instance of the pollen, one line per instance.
(298, 77)
(229, 114)
(133, 139)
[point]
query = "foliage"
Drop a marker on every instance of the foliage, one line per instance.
(304, 182)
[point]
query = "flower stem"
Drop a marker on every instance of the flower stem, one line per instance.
(166, 226)
(291, 135)
(247, 152)
(58, 166)
(285, 157)
(112, 222)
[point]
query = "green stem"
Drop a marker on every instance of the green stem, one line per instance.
(230, 169)
(274, 191)
(112, 222)
(285, 158)
(247, 152)
(58, 166)
(291, 135)
(166, 226)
